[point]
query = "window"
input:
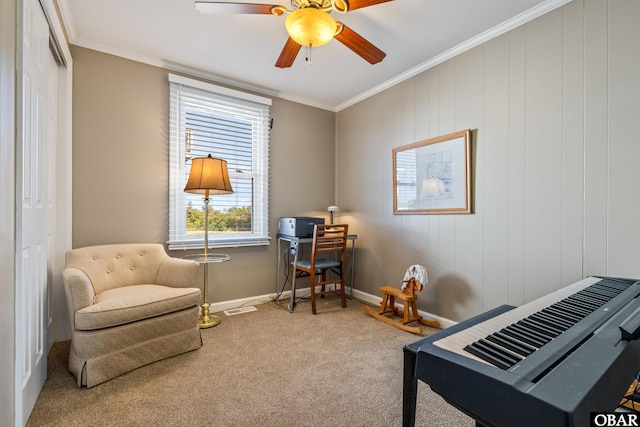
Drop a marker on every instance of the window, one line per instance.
(231, 125)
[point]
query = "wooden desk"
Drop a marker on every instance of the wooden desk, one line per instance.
(294, 246)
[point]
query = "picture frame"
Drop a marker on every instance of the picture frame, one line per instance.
(433, 176)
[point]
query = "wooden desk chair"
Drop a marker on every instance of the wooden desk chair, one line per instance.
(409, 313)
(327, 253)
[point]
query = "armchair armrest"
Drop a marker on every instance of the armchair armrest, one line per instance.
(178, 273)
(78, 290)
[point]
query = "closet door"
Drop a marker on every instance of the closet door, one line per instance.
(35, 199)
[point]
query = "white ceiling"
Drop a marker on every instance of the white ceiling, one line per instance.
(242, 49)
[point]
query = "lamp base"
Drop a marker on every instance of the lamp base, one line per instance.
(206, 320)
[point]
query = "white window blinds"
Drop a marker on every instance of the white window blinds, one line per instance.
(231, 125)
(406, 179)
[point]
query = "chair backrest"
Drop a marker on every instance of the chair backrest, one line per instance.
(117, 265)
(328, 238)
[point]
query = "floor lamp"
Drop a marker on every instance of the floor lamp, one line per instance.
(208, 176)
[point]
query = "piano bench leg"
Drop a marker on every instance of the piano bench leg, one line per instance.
(409, 389)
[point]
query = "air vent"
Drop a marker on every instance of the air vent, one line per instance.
(239, 310)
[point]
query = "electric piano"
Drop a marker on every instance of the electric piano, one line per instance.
(549, 362)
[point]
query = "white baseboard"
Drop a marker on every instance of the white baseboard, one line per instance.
(374, 300)
(236, 303)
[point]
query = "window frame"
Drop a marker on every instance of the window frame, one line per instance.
(184, 90)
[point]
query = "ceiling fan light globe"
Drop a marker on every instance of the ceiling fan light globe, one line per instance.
(310, 27)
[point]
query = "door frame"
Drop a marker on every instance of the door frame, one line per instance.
(63, 188)
(8, 26)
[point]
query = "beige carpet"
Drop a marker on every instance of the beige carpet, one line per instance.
(262, 368)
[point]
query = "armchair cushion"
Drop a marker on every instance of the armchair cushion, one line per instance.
(128, 304)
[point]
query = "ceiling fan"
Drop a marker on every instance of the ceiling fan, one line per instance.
(308, 23)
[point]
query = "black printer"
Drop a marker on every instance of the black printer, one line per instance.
(298, 226)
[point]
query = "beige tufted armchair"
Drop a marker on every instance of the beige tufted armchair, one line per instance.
(129, 305)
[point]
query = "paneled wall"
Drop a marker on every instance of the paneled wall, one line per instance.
(552, 106)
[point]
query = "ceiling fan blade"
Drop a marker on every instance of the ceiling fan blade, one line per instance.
(221, 7)
(359, 44)
(288, 54)
(349, 5)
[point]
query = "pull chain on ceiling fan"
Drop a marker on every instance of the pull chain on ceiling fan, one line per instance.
(309, 24)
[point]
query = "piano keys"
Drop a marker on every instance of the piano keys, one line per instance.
(549, 362)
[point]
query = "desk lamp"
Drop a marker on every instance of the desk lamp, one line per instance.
(331, 210)
(208, 176)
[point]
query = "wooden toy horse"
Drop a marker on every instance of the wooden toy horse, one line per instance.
(408, 296)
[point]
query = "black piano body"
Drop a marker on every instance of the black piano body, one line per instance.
(587, 368)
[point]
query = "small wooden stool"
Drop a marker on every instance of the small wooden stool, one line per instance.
(408, 314)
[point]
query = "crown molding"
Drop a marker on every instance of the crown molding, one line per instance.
(492, 33)
(496, 31)
(194, 72)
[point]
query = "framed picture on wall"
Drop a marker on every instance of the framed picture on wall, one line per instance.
(433, 176)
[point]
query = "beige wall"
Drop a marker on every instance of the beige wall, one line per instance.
(120, 166)
(553, 107)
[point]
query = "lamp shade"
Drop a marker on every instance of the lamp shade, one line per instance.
(310, 26)
(432, 187)
(208, 175)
